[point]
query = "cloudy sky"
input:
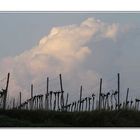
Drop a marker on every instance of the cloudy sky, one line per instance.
(84, 47)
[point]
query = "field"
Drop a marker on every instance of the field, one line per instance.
(25, 118)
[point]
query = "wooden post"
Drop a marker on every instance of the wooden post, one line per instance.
(100, 91)
(126, 102)
(86, 104)
(47, 85)
(61, 83)
(31, 90)
(118, 91)
(6, 90)
(62, 92)
(80, 98)
(93, 97)
(47, 94)
(31, 96)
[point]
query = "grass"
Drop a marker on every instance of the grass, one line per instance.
(24, 118)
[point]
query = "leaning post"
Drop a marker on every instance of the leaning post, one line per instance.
(6, 90)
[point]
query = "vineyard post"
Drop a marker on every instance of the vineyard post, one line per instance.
(100, 91)
(31, 96)
(47, 93)
(127, 97)
(62, 92)
(118, 91)
(6, 90)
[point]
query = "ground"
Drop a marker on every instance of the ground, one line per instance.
(24, 118)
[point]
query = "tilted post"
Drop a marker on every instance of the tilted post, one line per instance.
(62, 91)
(6, 90)
(126, 102)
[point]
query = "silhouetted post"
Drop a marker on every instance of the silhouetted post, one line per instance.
(89, 99)
(47, 94)
(80, 98)
(31, 96)
(31, 90)
(6, 90)
(127, 97)
(100, 91)
(62, 92)
(93, 97)
(86, 104)
(118, 91)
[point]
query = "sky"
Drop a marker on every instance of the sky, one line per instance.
(83, 47)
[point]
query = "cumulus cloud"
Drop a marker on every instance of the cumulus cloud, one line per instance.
(112, 31)
(64, 50)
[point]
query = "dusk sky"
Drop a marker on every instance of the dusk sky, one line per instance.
(84, 47)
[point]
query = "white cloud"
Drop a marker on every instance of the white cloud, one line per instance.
(112, 31)
(64, 51)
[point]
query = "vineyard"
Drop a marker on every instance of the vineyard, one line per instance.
(53, 108)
